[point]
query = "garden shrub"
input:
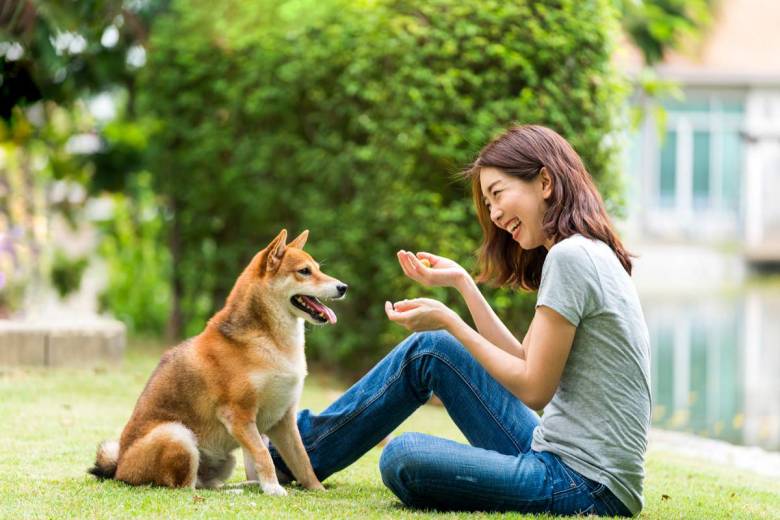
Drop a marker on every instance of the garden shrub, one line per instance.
(351, 119)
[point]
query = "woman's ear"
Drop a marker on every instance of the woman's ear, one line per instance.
(547, 182)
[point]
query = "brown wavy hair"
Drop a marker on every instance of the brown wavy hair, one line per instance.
(575, 205)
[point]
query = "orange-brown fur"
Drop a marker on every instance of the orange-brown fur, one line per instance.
(242, 376)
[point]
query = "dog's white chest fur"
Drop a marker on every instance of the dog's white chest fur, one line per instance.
(278, 386)
(277, 392)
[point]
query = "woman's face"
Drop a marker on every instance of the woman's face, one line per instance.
(517, 206)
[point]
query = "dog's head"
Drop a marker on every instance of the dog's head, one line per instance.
(288, 273)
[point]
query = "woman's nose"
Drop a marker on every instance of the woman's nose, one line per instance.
(495, 214)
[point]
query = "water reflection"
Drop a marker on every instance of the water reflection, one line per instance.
(716, 365)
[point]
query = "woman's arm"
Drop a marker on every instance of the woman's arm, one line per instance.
(488, 323)
(534, 379)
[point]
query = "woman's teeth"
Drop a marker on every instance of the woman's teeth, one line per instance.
(513, 227)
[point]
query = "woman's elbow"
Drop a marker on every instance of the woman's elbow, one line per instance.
(535, 404)
(536, 400)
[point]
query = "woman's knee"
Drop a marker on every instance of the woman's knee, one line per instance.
(431, 356)
(433, 341)
(400, 449)
(400, 461)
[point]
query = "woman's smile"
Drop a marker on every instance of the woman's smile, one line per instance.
(512, 227)
(515, 231)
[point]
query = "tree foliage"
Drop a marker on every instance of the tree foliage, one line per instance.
(351, 119)
(656, 26)
(59, 51)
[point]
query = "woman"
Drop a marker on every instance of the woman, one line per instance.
(584, 359)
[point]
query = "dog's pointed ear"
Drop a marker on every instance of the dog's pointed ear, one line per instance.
(275, 252)
(300, 240)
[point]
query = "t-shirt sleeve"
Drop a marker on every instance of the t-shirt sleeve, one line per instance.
(569, 283)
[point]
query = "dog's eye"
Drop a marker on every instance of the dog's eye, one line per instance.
(305, 271)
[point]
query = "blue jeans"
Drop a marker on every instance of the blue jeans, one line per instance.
(497, 472)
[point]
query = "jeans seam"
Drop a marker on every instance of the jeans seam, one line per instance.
(396, 377)
(428, 482)
(611, 510)
(351, 416)
(572, 481)
(607, 501)
(577, 489)
(380, 393)
(566, 471)
(477, 396)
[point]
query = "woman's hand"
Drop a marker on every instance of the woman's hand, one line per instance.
(443, 272)
(421, 314)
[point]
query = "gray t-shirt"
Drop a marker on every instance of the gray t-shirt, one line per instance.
(599, 417)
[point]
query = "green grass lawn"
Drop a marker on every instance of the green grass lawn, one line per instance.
(52, 420)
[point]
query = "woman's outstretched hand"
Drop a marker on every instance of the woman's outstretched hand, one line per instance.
(442, 272)
(420, 314)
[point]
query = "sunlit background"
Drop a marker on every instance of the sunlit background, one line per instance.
(149, 148)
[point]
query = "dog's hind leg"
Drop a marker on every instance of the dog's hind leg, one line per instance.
(251, 473)
(213, 472)
(166, 456)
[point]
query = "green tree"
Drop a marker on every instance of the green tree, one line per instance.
(350, 118)
(59, 51)
(656, 26)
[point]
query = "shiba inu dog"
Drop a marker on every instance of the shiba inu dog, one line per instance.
(241, 377)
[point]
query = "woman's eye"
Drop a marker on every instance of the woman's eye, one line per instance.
(305, 271)
(496, 193)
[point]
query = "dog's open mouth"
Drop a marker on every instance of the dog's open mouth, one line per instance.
(314, 308)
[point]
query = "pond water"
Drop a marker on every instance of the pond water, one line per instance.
(716, 364)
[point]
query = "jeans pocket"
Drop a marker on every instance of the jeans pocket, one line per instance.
(605, 503)
(602, 501)
(574, 478)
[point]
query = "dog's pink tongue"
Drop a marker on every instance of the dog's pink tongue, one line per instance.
(329, 314)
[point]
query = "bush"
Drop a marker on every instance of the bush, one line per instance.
(350, 119)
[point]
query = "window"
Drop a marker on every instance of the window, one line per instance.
(701, 169)
(732, 165)
(668, 178)
(700, 155)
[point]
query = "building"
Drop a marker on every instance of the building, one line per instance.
(710, 172)
(703, 213)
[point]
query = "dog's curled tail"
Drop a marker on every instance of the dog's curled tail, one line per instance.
(105, 462)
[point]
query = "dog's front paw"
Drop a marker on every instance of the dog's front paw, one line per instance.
(274, 490)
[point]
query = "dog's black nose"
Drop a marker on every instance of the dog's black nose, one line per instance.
(341, 289)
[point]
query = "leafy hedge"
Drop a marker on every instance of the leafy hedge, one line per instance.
(350, 119)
